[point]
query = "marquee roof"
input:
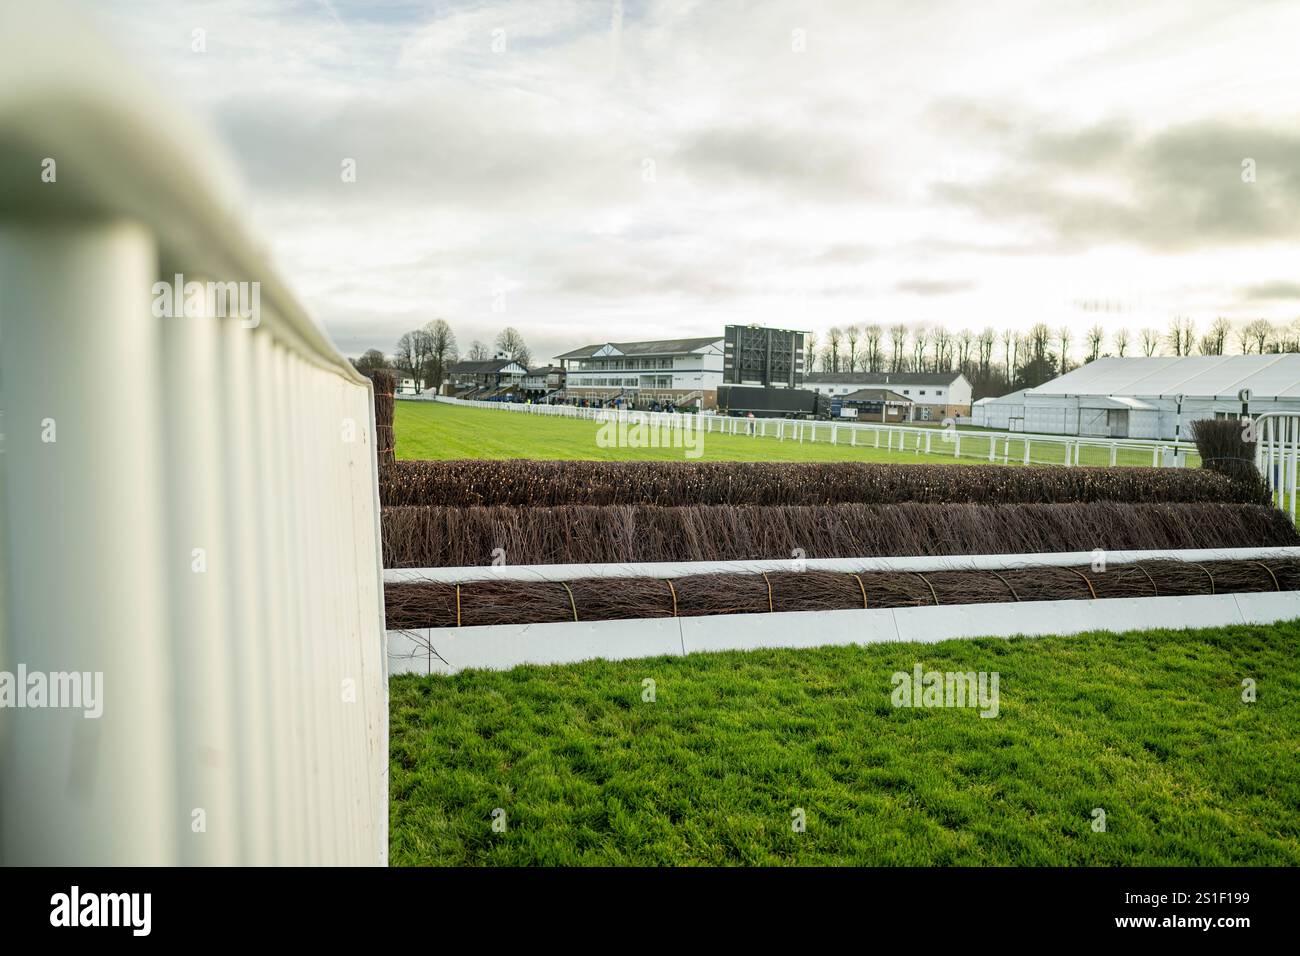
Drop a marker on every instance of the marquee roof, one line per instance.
(1196, 376)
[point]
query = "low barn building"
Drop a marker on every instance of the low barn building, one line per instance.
(1147, 397)
(873, 405)
(935, 396)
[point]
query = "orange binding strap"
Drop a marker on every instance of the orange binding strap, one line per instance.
(863, 589)
(1008, 584)
(1091, 589)
(928, 585)
(572, 603)
(1270, 574)
(1142, 567)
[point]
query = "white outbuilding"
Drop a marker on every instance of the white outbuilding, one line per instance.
(1147, 397)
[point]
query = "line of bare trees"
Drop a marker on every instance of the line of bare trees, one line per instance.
(427, 353)
(1000, 361)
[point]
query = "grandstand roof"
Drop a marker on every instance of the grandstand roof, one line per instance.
(659, 347)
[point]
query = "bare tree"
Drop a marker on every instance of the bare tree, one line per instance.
(874, 356)
(478, 352)
(442, 352)
(1261, 331)
(1242, 332)
(1216, 339)
(851, 334)
(1095, 338)
(920, 339)
(1150, 342)
(512, 344)
(1291, 337)
(965, 342)
(1040, 340)
(834, 339)
(987, 342)
(897, 342)
(406, 357)
(372, 361)
(1121, 341)
(810, 352)
(1063, 337)
(1182, 333)
(1010, 346)
(423, 354)
(942, 340)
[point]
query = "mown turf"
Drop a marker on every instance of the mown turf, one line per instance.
(435, 430)
(1150, 726)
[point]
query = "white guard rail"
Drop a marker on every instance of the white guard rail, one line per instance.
(1003, 447)
(924, 563)
(1277, 450)
(189, 513)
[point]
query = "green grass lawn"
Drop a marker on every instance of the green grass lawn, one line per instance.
(1148, 726)
(433, 430)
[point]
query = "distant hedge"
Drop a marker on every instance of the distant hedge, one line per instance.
(549, 483)
(436, 536)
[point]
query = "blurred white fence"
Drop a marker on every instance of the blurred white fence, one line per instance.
(189, 509)
(946, 442)
(1277, 456)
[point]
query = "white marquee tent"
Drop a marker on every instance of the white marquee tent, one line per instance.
(1146, 397)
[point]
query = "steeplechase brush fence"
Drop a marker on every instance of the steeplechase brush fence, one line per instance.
(385, 384)
(443, 620)
(418, 537)
(547, 483)
(434, 604)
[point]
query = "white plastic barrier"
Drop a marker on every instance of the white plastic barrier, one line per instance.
(189, 517)
(910, 564)
(938, 442)
(1277, 456)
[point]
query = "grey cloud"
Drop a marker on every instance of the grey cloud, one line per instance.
(1280, 289)
(440, 150)
(1183, 187)
(934, 286)
(820, 164)
(618, 282)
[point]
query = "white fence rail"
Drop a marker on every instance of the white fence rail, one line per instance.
(1277, 453)
(189, 513)
(1003, 447)
(909, 564)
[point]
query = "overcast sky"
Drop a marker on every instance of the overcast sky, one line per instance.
(590, 171)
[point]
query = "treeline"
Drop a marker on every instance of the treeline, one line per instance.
(999, 361)
(426, 354)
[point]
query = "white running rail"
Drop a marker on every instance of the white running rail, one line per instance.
(189, 505)
(1003, 447)
(1277, 448)
(949, 562)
